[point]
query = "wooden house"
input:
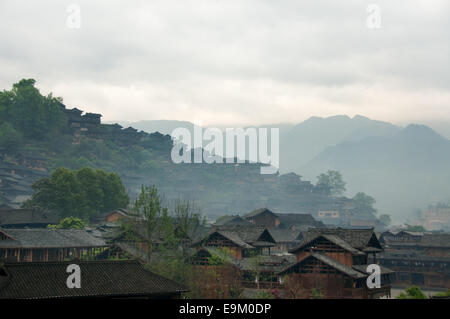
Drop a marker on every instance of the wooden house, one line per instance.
(240, 241)
(298, 222)
(232, 220)
(260, 271)
(263, 217)
(267, 218)
(284, 227)
(421, 259)
(30, 245)
(333, 263)
(119, 214)
(285, 240)
(397, 238)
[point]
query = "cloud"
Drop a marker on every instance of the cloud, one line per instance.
(233, 62)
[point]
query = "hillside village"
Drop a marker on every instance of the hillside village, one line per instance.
(261, 253)
(251, 235)
(144, 159)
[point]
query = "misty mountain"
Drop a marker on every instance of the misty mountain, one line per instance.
(307, 139)
(403, 168)
(403, 171)
(298, 143)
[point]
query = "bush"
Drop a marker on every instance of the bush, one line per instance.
(412, 293)
(264, 294)
(68, 223)
(84, 193)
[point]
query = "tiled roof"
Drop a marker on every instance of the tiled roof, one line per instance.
(284, 235)
(332, 238)
(256, 212)
(424, 239)
(248, 234)
(125, 278)
(232, 220)
(330, 262)
(356, 238)
(409, 255)
(243, 236)
(363, 269)
(435, 240)
(49, 238)
(287, 220)
(232, 236)
(343, 244)
(339, 266)
(271, 263)
(10, 217)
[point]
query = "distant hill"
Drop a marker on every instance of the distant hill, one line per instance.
(403, 168)
(298, 143)
(403, 171)
(307, 139)
(39, 133)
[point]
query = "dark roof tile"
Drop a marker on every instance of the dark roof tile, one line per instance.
(11, 217)
(48, 238)
(330, 262)
(98, 279)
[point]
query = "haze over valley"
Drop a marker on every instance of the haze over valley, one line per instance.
(406, 168)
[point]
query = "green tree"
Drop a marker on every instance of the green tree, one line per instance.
(34, 115)
(333, 180)
(316, 294)
(255, 265)
(412, 293)
(364, 204)
(188, 219)
(68, 223)
(149, 205)
(84, 193)
(264, 294)
(443, 294)
(9, 136)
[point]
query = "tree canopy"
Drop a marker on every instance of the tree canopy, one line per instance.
(364, 204)
(68, 223)
(33, 115)
(412, 293)
(332, 179)
(83, 193)
(9, 136)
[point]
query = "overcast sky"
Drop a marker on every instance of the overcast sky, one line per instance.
(234, 62)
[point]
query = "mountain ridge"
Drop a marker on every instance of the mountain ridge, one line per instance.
(414, 163)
